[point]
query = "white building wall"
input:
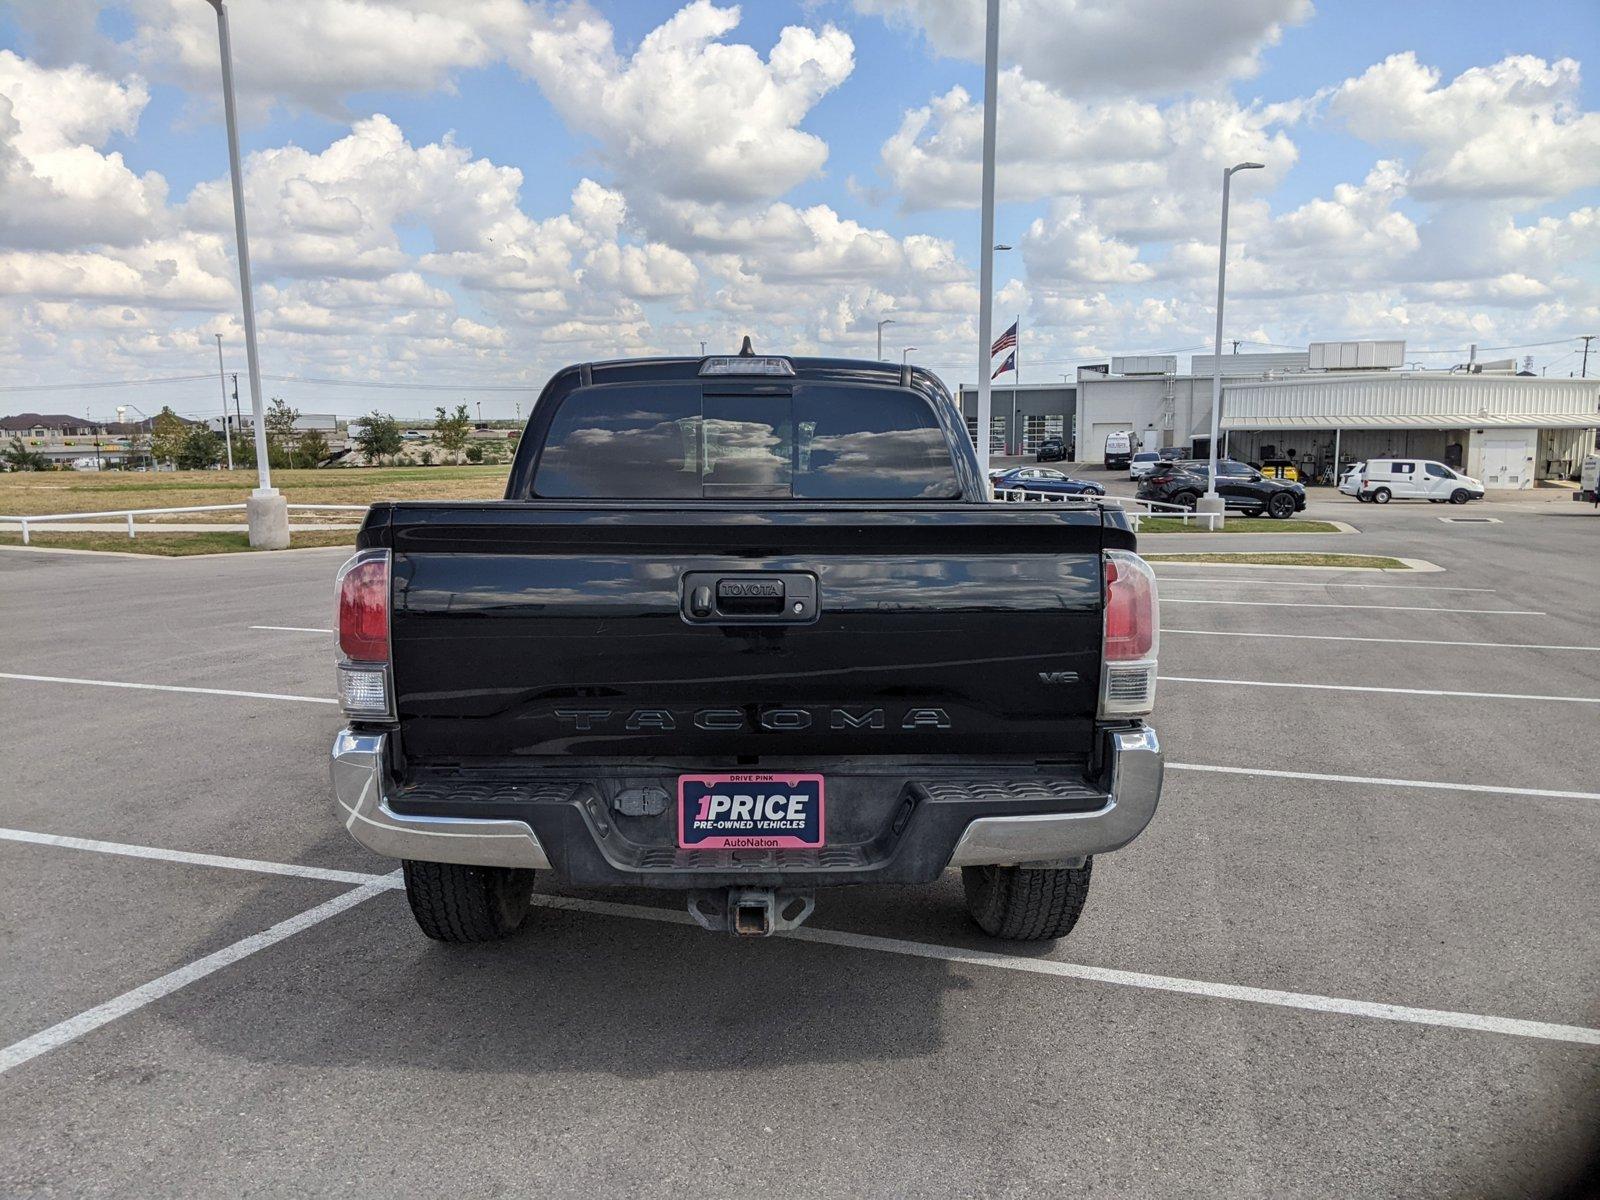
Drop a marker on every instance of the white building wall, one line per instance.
(1137, 403)
(1388, 398)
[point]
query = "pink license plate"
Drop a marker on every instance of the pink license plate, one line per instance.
(750, 812)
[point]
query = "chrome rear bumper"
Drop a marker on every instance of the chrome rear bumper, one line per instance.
(358, 777)
(1053, 838)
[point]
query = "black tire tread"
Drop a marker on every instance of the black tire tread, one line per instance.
(1026, 904)
(456, 903)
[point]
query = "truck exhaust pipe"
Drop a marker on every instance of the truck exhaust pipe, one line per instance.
(751, 912)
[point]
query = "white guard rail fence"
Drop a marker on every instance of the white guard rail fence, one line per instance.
(131, 513)
(1133, 507)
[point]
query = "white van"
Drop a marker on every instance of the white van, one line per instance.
(1385, 479)
(1120, 447)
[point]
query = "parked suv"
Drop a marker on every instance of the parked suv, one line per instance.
(1240, 485)
(1384, 479)
(1051, 450)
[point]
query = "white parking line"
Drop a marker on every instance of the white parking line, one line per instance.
(1482, 612)
(290, 629)
(184, 856)
(168, 687)
(1392, 691)
(1377, 781)
(372, 885)
(1334, 637)
(73, 1028)
(1299, 583)
(1514, 1026)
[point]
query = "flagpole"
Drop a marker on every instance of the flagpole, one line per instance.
(1016, 384)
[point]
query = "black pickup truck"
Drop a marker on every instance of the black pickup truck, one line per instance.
(745, 627)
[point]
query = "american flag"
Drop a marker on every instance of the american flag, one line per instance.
(1006, 341)
(1010, 363)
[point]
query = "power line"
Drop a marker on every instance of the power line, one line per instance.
(99, 383)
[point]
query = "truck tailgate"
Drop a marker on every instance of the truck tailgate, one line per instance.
(554, 628)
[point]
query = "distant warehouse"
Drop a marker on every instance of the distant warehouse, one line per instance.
(1349, 401)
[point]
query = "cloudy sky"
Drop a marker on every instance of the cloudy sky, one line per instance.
(461, 197)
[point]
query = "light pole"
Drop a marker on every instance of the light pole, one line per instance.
(1211, 502)
(905, 356)
(991, 69)
(222, 378)
(881, 324)
(266, 508)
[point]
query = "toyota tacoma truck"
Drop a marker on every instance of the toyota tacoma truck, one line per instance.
(746, 628)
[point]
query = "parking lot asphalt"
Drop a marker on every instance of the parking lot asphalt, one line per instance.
(1213, 1026)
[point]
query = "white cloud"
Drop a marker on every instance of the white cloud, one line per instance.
(1066, 246)
(1146, 47)
(1514, 129)
(1048, 144)
(59, 190)
(315, 53)
(689, 116)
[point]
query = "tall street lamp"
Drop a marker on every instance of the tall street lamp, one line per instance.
(1211, 502)
(905, 356)
(881, 324)
(266, 508)
(222, 378)
(991, 70)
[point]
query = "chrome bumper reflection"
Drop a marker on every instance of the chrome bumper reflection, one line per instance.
(358, 780)
(1136, 770)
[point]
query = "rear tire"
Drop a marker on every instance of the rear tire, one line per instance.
(1026, 904)
(1381, 496)
(1460, 496)
(1187, 499)
(1281, 506)
(456, 903)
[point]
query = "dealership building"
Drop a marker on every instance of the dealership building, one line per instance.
(1022, 416)
(1345, 402)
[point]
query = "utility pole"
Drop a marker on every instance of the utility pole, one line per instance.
(702, 347)
(1211, 502)
(991, 71)
(1235, 345)
(480, 412)
(267, 508)
(238, 416)
(227, 438)
(1587, 338)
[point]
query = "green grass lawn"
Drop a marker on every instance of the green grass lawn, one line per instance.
(26, 493)
(1237, 525)
(1375, 562)
(171, 545)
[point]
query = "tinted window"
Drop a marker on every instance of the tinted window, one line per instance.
(1438, 472)
(1233, 468)
(1401, 468)
(666, 442)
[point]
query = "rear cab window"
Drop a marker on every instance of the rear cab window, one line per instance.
(683, 440)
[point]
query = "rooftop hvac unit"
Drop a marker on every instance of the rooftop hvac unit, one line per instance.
(1357, 356)
(1145, 364)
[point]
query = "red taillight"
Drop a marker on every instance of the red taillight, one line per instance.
(364, 608)
(1130, 607)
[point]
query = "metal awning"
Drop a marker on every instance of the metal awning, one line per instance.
(1416, 421)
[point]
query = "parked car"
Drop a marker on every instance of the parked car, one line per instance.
(1385, 479)
(1051, 450)
(1043, 479)
(1240, 485)
(1281, 468)
(794, 552)
(1350, 481)
(1142, 463)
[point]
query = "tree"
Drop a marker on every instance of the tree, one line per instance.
(425, 456)
(313, 448)
(19, 458)
(475, 453)
(199, 449)
(379, 438)
(452, 431)
(138, 448)
(167, 432)
(282, 437)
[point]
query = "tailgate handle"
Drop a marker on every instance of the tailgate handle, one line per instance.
(749, 597)
(747, 594)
